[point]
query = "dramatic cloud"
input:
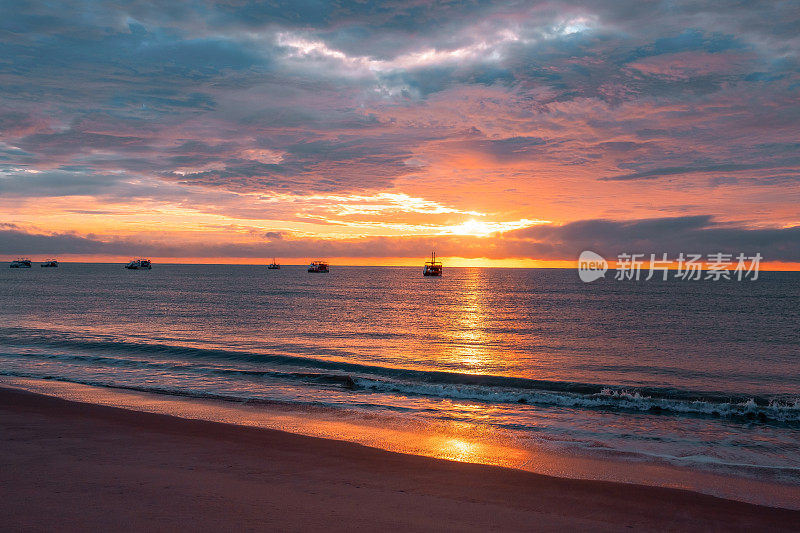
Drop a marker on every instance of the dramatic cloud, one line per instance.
(611, 238)
(694, 234)
(493, 129)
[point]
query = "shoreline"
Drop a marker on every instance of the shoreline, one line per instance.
(71, 465)
(448, 441)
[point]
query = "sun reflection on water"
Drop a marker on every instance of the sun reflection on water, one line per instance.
(468, 334)
(459, 450)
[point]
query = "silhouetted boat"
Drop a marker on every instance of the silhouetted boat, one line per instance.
(318, 266)
(20, 263)
(432, 267)
(50, 263)
(139, 264)
(274, 265)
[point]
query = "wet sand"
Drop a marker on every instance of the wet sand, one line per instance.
(71, 466)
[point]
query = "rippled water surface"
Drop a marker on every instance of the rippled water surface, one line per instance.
(701, 374)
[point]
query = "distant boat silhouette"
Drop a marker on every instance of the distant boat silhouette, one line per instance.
(432, 267)
(274, 265)
(50, 263)
(20, 263)
(139, 264)
(318, 266)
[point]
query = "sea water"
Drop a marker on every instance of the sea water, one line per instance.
(700, 374)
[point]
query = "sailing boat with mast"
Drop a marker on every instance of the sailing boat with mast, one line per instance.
(274, 265)
(432, 267)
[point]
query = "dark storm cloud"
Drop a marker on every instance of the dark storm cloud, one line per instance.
(78, 141)
(13, 241)
(673, 235)
(321, 165)
(21, 184)
(125, 50)
(716, 167)
(15, 122)
(512, 148)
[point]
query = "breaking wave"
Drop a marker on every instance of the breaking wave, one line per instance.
(374, 379)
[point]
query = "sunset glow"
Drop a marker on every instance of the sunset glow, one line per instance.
(500, 134)
(380, 265)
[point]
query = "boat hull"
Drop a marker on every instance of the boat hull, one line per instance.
(139, 264)
(432, 267)
(318, 267)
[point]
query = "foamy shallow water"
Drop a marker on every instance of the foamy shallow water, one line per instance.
(455, 442)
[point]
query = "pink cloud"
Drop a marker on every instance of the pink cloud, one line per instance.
(685, 65)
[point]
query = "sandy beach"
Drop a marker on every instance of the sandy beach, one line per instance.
(74, 466)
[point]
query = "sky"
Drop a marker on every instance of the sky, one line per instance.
(497, 133)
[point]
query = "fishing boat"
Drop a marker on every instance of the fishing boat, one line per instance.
(274, 265)
(318, 266)
(50, 263)
(20, 263)
(432, 267)
(139, 264)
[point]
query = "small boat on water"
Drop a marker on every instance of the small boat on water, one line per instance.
(20, 263)
(50, 263)
(139, 264)
(432, 267)
(318, 266)
(274, 265)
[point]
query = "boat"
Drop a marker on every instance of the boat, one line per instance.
(274, 265)
(432, 267)
(20, 263)
(318, 266)
(139, 264)
(50, 263)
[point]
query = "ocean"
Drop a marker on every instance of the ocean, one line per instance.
(701, 375)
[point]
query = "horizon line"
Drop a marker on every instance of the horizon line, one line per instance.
(772, 266)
